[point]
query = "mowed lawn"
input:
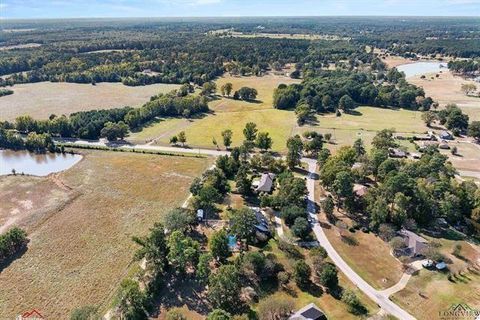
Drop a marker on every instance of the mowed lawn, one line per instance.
(79, 255)
(364, 122)
(430, 292)
(467, 158)
(42, 99)
(229, 114)
(365, 253)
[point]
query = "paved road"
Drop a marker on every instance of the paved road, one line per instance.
(466, 173)
(119, 145)
(379, 298)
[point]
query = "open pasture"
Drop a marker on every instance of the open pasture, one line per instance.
(228, 113)
(447, 89)
(42, 99)
(81, 249)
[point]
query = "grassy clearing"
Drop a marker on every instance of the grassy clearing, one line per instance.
(278, 123)
(84, 249)
(233, 114)
(230, 114)
(366, 254)
(42, 99)
(364, 123)
(430, 292)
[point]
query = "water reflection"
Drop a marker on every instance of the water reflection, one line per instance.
(35, 164)
(419, 68)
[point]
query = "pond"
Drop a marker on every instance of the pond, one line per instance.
(35, 164)
(419, 68)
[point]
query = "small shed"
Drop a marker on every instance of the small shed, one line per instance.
(396, 153)
(445, 135)
(200, 214)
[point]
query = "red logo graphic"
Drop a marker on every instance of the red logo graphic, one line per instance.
(33, 314)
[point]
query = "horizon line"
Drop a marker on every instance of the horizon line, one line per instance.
(254, 16)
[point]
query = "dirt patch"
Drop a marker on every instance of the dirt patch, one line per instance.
(27, 201)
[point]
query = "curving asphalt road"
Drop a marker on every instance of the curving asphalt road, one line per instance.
(380, 298)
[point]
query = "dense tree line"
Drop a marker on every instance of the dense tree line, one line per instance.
(110, 123)
(469, 66)
(35, 142)
(328, 91)
(183, 51)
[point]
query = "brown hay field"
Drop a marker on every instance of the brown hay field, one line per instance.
(447, 89)
(42, 99)
(80, 223)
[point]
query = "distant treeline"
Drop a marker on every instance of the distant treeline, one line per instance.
(139, 52)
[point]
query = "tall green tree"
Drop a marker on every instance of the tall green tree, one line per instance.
(242, 223)
(182, 137)
(295, 148)
(250, 131)
(183, 251)
(153, 249)
(243, 182)
(227, 138)
(263, 141)
(224, 288)
(346, 103)
(218, 244)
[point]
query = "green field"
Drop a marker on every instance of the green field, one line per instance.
(229, 114)
(364, 123)
(232, 114)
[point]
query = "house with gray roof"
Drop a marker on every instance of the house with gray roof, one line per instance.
(309, 312)
(266, 182)
(415, 244)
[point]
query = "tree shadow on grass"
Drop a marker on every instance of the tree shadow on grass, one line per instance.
(179, 291)
(5, 264)
(354, 112)
(300, 171)
(315, 290)
(351, 241)
(451, 234)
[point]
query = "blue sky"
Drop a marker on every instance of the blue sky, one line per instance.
(177, 8)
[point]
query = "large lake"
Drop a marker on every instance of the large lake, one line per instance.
(35, 164)
(419, 68)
